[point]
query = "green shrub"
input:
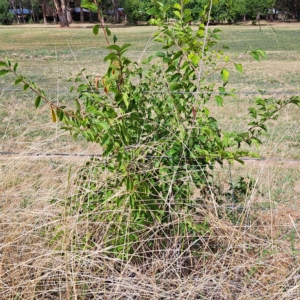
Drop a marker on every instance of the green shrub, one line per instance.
(160, 141)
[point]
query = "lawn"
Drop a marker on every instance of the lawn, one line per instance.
(39, 253)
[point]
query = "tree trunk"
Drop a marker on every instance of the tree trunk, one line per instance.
(21, 12)
(44, 10)
(69, 14)
(13, 6)
(81, 15)
(62, 12)
(258, 15)
(55, 17)
(37, 17)
(116, 11)
(283, 15)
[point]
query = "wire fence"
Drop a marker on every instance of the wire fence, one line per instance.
(45, 154)
(184, 93)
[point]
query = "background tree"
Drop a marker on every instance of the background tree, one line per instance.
(5, 16)
(256, 7)
(291, 7)
(136, 10)
(240, 8)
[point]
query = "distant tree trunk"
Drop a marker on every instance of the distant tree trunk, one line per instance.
(32, 15)
(44, 10)
(116, 11)
(69, 14)
(62, 12)
(91, 17)
(257, 15)
(81, 15)
(37, 17)
(55, 17)
(244, 17)
(21, 12)
(13, 5)
(283, 15)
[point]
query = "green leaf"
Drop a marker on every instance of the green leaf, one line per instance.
(3, 64)
(15, 67)
(175, 87)
(114, 47)
(108, 32)
(105, 139)
(219, 100)
(125, 99)
(177, 6)
(38, 101)
(18, 80)
(239, 67)
(89, 5)
(225, 74)
(252, 112)
(3, 72)
(194, 58)
(160, 54)
(96, 29)
(185, 2)
(177, 14)
(103, 125)
(8, 63)
(25, 87)
(257, 54)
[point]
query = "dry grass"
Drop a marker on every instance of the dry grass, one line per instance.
(42, 250)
